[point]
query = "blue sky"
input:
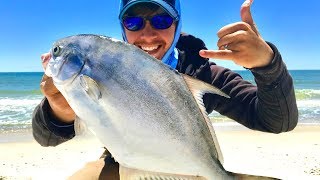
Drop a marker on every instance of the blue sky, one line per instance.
(28, 28)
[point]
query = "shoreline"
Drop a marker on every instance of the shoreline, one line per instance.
(16, 136)
(287, 155)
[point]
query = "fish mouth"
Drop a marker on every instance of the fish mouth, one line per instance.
(54, 66)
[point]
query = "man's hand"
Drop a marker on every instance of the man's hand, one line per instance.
(60, 107)
(242, 43)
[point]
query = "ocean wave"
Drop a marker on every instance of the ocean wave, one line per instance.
(303, 94)
(309, 112)
(17, 110)
(312, 103)
(6, 103)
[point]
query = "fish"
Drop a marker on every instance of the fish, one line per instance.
(149, 116)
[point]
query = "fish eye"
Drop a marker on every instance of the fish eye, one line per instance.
(56, 50)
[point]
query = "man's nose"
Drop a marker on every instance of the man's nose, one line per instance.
(148, 32)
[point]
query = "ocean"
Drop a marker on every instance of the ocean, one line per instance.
(20, 94)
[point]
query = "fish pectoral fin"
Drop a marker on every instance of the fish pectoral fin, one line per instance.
(196, 86)
(91, 87)
(135, 174)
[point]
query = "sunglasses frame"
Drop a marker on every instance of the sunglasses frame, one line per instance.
(149, 18)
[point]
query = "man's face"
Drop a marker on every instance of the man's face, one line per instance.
(155, 42)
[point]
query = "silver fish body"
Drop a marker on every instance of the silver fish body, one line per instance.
(149, 116)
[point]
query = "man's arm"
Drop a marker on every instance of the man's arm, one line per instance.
(47, 130)
(276, 105)
(53, 118)
(270, 106)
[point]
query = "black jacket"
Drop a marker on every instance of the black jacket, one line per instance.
(270, 106)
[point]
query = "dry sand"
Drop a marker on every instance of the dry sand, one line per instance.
(28, 160)
(292, 155)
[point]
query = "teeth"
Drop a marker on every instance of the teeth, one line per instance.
(149, 48)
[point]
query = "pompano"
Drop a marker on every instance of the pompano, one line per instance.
(150, 117)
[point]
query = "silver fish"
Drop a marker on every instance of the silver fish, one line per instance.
(150, 117)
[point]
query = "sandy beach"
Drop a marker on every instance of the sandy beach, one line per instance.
(26, 159)
(292, 155)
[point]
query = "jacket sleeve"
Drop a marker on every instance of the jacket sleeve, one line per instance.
(48, 131)
(270, 106)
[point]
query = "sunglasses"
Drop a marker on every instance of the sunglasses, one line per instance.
(136, 23)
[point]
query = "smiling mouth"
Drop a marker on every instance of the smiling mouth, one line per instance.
(149, 48)
(152, 50)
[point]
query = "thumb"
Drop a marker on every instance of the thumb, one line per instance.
(246, 16)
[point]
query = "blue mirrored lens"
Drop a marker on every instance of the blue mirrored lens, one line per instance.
(133, 23)
(161, 21)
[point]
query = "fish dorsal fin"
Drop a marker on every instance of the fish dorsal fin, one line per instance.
(201, 87)
(135, 174)
(198, 89)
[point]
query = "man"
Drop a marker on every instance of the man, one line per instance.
(155, 27)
